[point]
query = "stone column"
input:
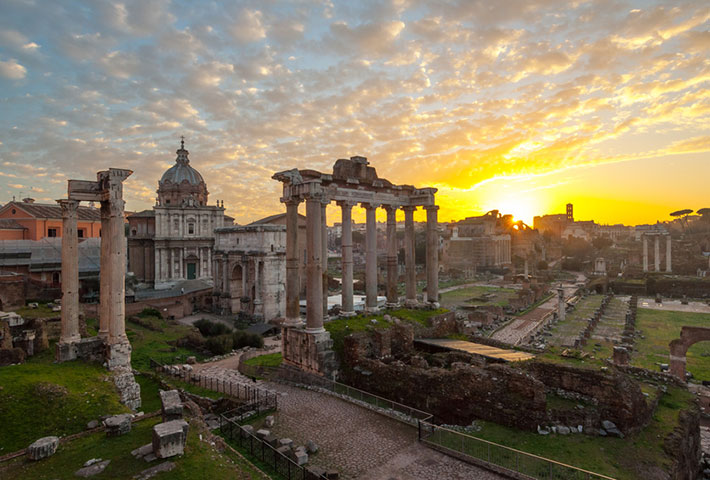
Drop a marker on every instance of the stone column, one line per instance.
(346, 245)
(432, 255)
(645, 253)
(370, 258)
(105, 272)
(561, 304)
(70, 272)
(668, 253)
(526, 268)
(324, 255)
(392, 297)
(314, 266)
(117, 267)
(656, 254)
(293, 282)
(409, 259)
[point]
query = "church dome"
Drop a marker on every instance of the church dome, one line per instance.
(182, 171)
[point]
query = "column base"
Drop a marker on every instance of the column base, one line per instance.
(372, 309)
(391, 305)
(64, 352)
(434, 305)
(118, 354)
(409, 303)
(309, 351)
(294, 322)
(315, 330)
(347, 314)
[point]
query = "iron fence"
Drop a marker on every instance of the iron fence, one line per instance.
(281, 464)
(506, 459)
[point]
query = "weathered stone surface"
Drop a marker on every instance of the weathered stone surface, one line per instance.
(118, 425)
(286, 442)
(169, 438)
(43, 448)
(247, 430)
(272, 440)
(269, 421)
(562, 430)
(261, 433)
(11, 356)
(128, 389)
(92, 469)
(92, 424)
(299, 456)
(311, 446)
(153, 471)
(171, 405)
(143, 451)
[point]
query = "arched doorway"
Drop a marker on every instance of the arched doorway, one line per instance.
(680, 346)
(236, 287)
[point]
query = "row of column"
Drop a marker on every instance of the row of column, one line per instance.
(316, 263)
(656, 253)
(165, 262)
(112, 272)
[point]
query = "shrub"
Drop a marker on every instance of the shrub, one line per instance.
(192, 340)
(150, 312)
(211, 329)
(220, 344)
(246, 339)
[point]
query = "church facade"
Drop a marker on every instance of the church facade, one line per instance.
(174, 241)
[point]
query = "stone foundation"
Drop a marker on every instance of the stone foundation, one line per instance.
(118, 355)
(310, 352)
(128, 389)
(91, 349)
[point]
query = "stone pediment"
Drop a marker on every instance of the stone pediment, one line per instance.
(355, 168)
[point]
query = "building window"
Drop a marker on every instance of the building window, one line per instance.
(190, 228)
(167, 202)
(51, 232)
(14, 211)
(133, 232)
(80, 233)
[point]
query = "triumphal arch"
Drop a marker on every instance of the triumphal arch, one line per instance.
(111, 345)
(352, 182)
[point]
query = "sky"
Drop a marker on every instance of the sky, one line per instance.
(516, 105)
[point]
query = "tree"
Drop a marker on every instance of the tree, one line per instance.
(705, 212)
(683, 214)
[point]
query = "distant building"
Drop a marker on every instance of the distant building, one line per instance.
(174, 241)
(554, 224)
(28, 220)
(477, 242)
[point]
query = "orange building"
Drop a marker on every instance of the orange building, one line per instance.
(27, 220)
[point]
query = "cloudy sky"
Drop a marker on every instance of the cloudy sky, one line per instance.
(521, 105)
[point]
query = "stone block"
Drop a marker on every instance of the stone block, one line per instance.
(269, 422)
(247, 430)
(286, 442)
(284, 450)
(171, 405)
(299, 456)
(143, 451)
(169, 438)
(92, 469)
(311, 446)
(315, 473)
(261, 433)
(43, 448)
(272, 440)
(118, 425)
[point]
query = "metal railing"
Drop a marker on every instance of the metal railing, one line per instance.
(245, 392)
(281, 464)
(506, 459)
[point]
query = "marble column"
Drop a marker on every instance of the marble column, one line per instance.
(561, 304)
(105, 272)
(392, 297)
(314, 266)
(324, 255)
(432, 254)
(645, 253)
(117, 267)
(409, 259)
(668, 253)
(346, 245)
(293, 285)
(656, 254)
(70, 272)
(370, 258)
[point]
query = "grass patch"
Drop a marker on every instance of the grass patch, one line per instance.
(150, 393)
(268, 360)
(478, 295)
(148, 343)
(40, 398)
(199, 461)
(42, 311)
(659, 327)
(344, 326)
(625, 459)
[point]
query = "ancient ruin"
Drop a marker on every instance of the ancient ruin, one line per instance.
(351, 182)
(111, 343)
(679, 347)
(656, 251)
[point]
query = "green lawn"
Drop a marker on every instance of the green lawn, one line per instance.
(344, 326)
(200, 460)
(40, 398)
(625, 459)
(42, 311)
(478, 295)
(659, 328)
(268, 360)
(154, 344)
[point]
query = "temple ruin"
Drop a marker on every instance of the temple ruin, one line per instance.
(351, 182)
(111, 345)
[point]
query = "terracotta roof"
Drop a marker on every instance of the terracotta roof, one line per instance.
(144, 213)
(46, 210)
(10, 224)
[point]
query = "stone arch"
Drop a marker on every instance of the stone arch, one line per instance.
(679, 347)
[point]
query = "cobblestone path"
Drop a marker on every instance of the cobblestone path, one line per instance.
(362, 444)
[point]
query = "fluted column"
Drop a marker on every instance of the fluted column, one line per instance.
(645, 253)
(668, 253)
(392, 296)
(346, 245)
(293, 285)
(314, 266)
(370, 258)
(70, 272)
(117, 266)
(432, 254)
(656, 254)
(410, 267)
(105, 272)
(324, 255)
